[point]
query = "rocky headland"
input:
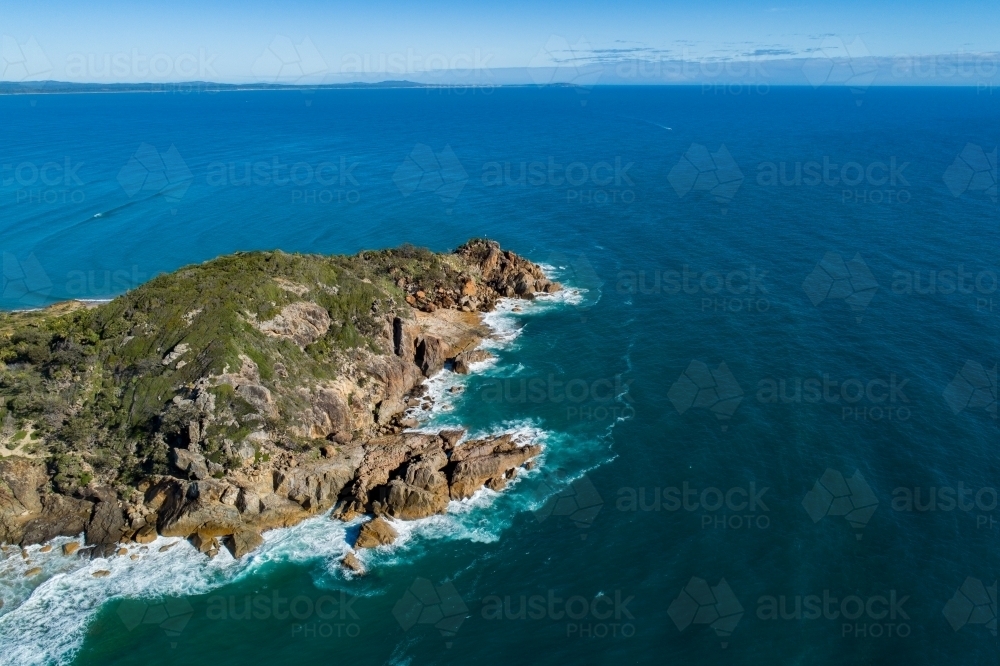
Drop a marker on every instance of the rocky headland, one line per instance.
(249, 393)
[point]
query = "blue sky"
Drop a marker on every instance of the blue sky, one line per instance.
(305, 41)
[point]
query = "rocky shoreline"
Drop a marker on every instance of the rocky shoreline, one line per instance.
(346, 448)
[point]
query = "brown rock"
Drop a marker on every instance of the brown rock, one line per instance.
(103, 573)
(451, 437)
(60, 516)
(146, 534)
(467, 358)
(411, 503)
(204, 542)
(70, 548)
(352, 563)
(164, 549)
(34, 571)
(122, 551)
(107, 524)
(243, 541)
(193, 463)
(481, 462)
(46, 548)
(376, 532)
(430, 355)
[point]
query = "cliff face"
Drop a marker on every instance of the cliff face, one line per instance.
(248, 393)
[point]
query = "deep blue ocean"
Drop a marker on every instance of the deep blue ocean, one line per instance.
(768, 395)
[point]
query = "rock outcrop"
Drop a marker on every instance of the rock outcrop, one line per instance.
(261, 414)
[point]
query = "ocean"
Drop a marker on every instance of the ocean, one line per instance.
(768, 395)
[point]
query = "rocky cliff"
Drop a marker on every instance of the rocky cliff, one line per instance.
(248, 393)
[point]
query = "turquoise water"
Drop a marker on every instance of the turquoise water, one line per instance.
(741, 323)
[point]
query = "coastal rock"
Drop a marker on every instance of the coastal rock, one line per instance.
(351, 562)
(376, 532)
(196, 507)
(145, 535)
(451, 437)
(243, 541)
(33, 571)
(480, 463)
(70, 548)
(106, 526)
(204, 542)
(60, 516)
(20, 479)
(467, 358)
(431, 355)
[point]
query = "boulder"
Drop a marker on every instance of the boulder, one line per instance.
(146, 534)
(376, 532)
(198, 510)
(204, 542)
(70, 548)
(243, 541)
(193, 463)
(352, 563)
(248, 502)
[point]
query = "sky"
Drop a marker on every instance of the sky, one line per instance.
(307, 41)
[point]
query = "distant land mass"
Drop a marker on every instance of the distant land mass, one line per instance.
(50, 87)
